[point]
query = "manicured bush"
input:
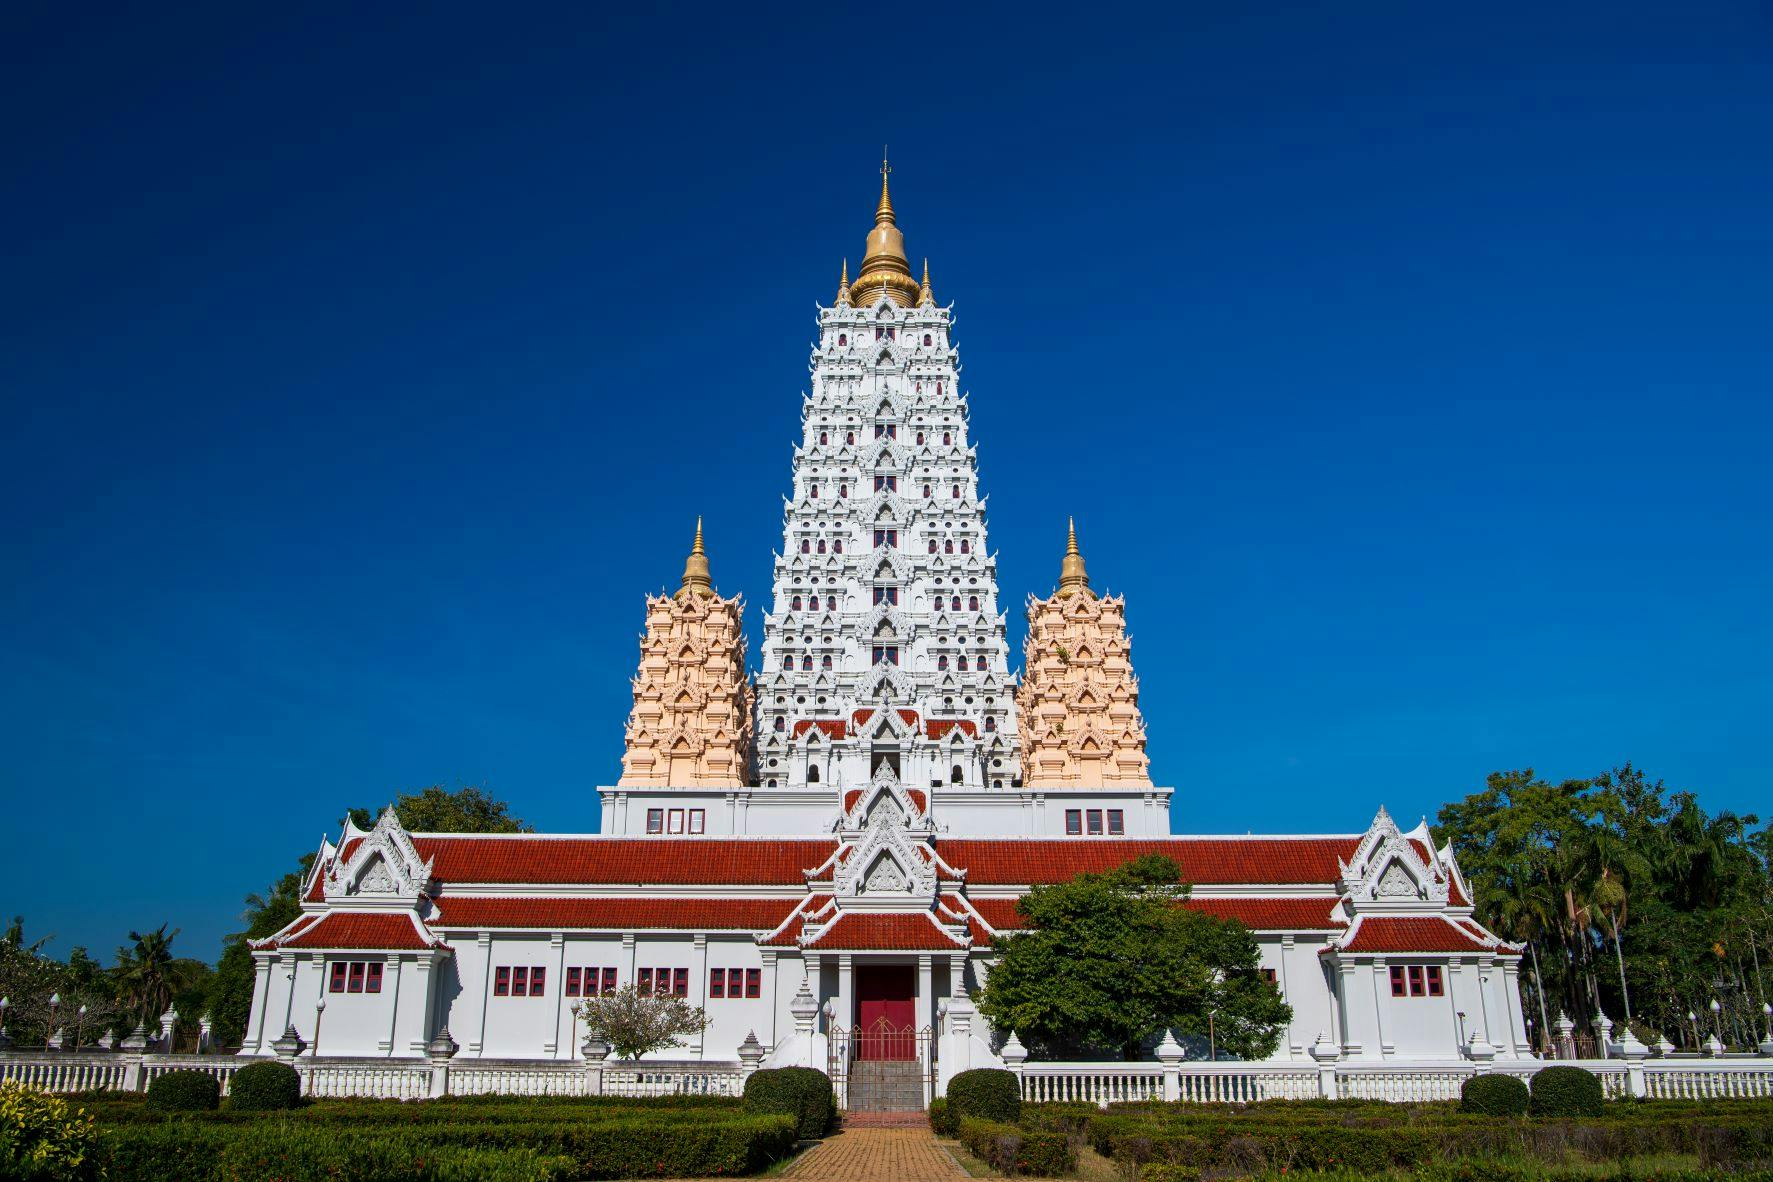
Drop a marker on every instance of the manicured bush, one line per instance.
(1493, 1095)
(1566, 1091)
(184, 1091)
(264, 1087)
(1011, 1150)
(801, 1092)
(986, 1093)
(941, 1120)
(43, 1138)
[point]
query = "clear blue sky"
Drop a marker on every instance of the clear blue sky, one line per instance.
(1408, 369)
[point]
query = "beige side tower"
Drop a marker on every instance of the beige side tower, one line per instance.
(1079, 700)
(691, 723)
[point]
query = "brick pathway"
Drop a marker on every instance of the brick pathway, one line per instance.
(876, 1155)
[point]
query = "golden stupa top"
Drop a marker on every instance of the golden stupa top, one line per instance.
(885, 269)
(1072, 576)
(696, 580)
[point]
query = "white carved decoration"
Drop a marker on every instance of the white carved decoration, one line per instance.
(885, 876)
(1396, 882)
(386, 852)
(376, 880)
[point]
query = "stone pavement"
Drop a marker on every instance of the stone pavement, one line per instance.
(873, 1154)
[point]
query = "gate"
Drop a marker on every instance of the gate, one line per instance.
(882, 1067)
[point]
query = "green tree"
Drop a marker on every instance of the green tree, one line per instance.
(1108, 960)
(635, 1023)
(148, 976)
(469, 809)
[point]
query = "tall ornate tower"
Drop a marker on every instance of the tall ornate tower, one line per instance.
(884, 648)
(1079, 700)
(691, 722)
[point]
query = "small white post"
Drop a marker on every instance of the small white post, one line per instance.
(1169, 1053)
(1566, 1036)
(750, 1055)
(596, 1052)
(1634, 1053)
(167, 1021)
(440, 1051)
(1603, 1026)
(1326, 1053)
(1713, 1047)
(1014, 1055)
(134, 1048)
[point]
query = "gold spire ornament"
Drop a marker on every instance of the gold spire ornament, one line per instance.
(696, 580)
(924, 298)
(885, 269)
(1072, 576)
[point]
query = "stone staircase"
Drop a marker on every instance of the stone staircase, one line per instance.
(885, 1085)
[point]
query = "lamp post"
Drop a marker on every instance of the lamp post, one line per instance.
(80, 1027)
(1530, 1032)
(1717, 1021)
(314, 1056)
(1693, 1021)
(55, 1003)
(5, 1042)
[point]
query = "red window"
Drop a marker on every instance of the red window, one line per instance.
(956, 493)
(837, 546)
(609, 980)
(972, 603)
(831, 603)
(886, 653)
(356, 985)
(1074, 822)
(955, 604)
(1434, 980)
(716, 983)
(942, 661)
(374, 984)
(947, 437)
(572, 982)
(886, 484)
(753, 982)
(338, 976)
(502, 982)
(1095, 819)
(645, 987)
(520, 981)
(926, 338)
(536, 978)
(1416, 989)
(926, 492)
(1398, 988)
(886, 537)
(680, 982)
(1117, 823)
(1268, 975)
(963, 662)
(886, 595)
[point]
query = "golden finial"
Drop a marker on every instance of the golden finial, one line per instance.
(885, 269)
(1072, 576)
(884, 211)
(695, 569)
(843, 284)
(924, 297)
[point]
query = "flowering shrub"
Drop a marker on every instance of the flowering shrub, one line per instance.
(43, 1138)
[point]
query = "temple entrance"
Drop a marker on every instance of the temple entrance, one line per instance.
(881, 1064)
(886, 1011)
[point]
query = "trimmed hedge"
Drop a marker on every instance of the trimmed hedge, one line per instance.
(1159, 1172)
(184, 1091)
(264, 1087)
(1493, 1095)
(985, 1093)
(941, 1120)
(803, 1093)
(1566, 1091)
(1011, 1150)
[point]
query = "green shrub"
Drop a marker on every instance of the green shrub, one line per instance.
(1011, 1150)
(801, 1092)
(1566, 1091)
(1493, 1095)
(264, 1087)
(941, 1120)
(184, 1091)
(1159, 1172)
(43, 1138)
(987, 1093)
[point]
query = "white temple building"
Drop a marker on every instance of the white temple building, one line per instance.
(852, 822)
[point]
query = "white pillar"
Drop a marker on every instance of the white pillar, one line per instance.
(846, 990)
(254, 1040)
(1382, 977)
(772, 975)
(391, 991)
(483, 942)
(554, 1049)
(1286, 949)
(699, 989)
(1484, 969)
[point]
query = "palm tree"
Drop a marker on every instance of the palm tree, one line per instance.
(1526, 913)
(147, 975)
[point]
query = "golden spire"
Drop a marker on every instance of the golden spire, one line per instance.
(695, 569)
(1072, 577)
(843, 285)
(885, 269)
(924, 298)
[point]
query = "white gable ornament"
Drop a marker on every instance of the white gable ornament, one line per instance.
(385, 864)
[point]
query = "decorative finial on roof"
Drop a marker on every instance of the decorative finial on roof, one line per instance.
(695, 569)
(884, 211)
(885, 269)
(1072, 576)
(843, 284)
(924, 297)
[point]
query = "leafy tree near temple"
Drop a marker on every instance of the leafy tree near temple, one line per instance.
(469, 809)
(635, 1023)
(1632, 899)
(1110, 959)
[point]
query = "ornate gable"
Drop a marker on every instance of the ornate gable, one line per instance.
(1389, 867)
(383, 867)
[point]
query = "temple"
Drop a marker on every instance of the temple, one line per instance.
(819, 852)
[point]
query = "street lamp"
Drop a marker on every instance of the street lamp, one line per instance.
(80, 1028)
(55, 1003)
(314, 1053)
(1693, 1021)
(1530, 1041)
(1717, 1021)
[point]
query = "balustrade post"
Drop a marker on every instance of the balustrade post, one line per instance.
(133, 1052)
(1169, 1053)
(750, 1055)
(1634, 1053)
(1566, 1036)
(1326, 1053)
(1014, 1056)
(596, 1052)
(1603, 1028)
(440, 1051)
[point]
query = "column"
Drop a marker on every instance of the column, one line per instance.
(1511, 999)
(483, 942)
(1286, 954)
(772, 974)
(557, 945)
(391, 987)
(699, 989)
(846, 990)
(1381, 994)
(1484, 968)
(1351, 1041)
(261, 1002)
(289, 974)
(926, 993)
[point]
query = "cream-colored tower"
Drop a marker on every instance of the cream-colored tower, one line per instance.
(1079, 700)
(691, 723)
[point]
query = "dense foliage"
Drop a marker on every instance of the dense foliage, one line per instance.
(1493, 1095)
(185, 1091)
(803, 1093)
(43, 1138)
(1631, 899)
(264, 1087)
(1014, 1151)
(1108, 960)
(1566, 1091)
(986, 1093)
(635, 1023)
(85, 1001)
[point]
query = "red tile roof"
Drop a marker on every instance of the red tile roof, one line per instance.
(344, 929)
(894, 932)
(834, 728)
(675, 861)
(1260, 915)
(937, 727)
(1409, 933)
(622, 914)
(1281, 861)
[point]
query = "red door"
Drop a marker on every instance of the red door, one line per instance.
(886, 1011)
